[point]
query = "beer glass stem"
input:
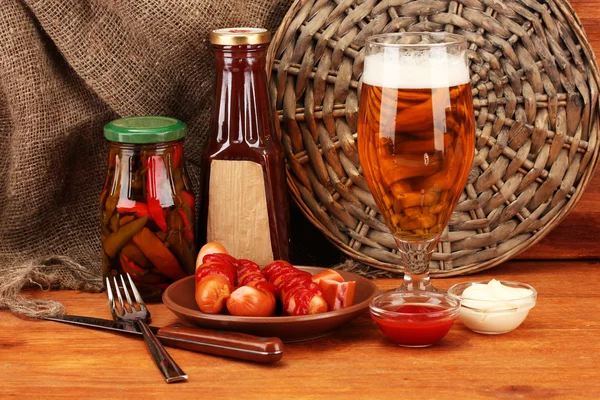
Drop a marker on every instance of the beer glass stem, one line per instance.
(416, 257)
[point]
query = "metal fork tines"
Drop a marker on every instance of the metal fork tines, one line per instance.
(126, 311)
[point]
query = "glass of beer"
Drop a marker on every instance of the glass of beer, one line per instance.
(416, 138)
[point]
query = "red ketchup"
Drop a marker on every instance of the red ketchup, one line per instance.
(415, 324)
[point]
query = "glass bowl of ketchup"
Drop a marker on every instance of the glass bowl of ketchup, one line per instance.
(414, 319)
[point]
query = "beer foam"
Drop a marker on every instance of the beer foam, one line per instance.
(416, 70)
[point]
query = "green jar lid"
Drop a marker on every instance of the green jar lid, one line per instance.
(145, 130)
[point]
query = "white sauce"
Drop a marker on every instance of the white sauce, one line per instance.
(494, 307)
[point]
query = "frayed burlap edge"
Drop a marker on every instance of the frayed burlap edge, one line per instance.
(48, 273)
(62, 273)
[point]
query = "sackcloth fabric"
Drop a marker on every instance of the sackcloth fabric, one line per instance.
(67, 67)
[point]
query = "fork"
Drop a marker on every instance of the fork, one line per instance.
(162, 359)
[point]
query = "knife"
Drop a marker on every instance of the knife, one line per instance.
(221, 343)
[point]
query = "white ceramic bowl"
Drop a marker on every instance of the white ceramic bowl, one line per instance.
(493, 317)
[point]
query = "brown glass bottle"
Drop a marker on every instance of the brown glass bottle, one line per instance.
(242, 138)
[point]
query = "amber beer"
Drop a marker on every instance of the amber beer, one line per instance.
(416, 140)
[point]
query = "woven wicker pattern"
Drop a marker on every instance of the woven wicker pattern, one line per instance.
(535, 89)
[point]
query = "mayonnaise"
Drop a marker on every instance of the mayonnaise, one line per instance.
(495, 308)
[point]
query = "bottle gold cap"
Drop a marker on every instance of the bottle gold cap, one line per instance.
(239, 36)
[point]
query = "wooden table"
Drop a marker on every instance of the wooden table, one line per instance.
(555, 354)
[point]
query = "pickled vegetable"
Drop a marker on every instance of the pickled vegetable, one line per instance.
(147, 216)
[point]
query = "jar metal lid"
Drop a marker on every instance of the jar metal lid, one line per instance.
(239, 36)
(145, 130)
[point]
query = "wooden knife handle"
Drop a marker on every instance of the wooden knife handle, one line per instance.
(222, 343)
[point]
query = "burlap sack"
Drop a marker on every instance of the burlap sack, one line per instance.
(67, 67)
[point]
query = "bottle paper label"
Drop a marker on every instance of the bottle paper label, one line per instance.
(237, 210)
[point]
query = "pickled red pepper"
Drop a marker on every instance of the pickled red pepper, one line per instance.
(187, 226)
(125, 206)
(132, 252)
(158, 254)
(189, 199)
(177, 150)
(126, 219)
(154, 181)
(130, 266)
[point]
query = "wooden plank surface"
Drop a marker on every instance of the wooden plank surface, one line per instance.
(555, 354)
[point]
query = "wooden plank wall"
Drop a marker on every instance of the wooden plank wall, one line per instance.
(578, 236)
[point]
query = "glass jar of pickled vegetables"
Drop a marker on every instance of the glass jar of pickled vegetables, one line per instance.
(147, 205)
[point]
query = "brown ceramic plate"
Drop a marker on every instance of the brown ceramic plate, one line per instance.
(179, 298)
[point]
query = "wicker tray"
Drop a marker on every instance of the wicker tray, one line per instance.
(535, 89)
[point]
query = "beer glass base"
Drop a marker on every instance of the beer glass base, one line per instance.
(414, 283)
(416, 257)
